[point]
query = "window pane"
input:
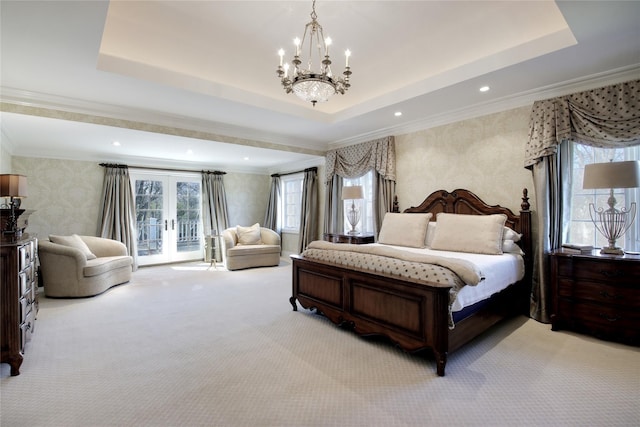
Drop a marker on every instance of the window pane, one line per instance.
(366, 205)
(581, 227)
(291, 202)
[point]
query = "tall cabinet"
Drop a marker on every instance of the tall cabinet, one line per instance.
(18, 298)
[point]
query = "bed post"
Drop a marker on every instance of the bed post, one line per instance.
(527, 246)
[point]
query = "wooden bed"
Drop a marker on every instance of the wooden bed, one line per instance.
(413, 316)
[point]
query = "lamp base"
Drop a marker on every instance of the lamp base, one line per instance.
(353, 232)
(611, 251)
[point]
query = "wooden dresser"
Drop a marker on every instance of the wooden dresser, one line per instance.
(597, 294)
(18, 298)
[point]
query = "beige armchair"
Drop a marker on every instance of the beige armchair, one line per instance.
(81, 266)
(238, 252)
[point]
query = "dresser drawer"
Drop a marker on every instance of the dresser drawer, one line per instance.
(25, 257)
(25, 279)
(600, 270)
(603, 321)
(605, 294)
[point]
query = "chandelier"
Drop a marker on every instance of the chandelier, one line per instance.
(308, 84)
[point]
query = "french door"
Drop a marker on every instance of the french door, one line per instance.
(168, 217)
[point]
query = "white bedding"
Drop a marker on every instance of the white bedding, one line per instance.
(499, 271)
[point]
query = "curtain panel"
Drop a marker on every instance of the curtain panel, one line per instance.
(117, 219)
(603, 117)
(333, 206)
(214, 203)
(351, 162)
(308, 209)
(356, 160)
(271, 214)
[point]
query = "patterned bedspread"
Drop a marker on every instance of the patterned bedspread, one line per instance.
(391, 262)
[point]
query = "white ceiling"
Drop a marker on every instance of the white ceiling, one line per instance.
(204, 71)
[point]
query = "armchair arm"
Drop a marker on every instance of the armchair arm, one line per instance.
(228, 238)
(269, 237)
(102, 247)
(56, 261)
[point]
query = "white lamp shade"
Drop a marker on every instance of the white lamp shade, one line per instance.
(353, 192)
(13, 185)
(612, 175)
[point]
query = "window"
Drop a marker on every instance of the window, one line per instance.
(366, 206)
(291, 202)
(581, 228)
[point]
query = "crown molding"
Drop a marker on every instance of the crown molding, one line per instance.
(47, 105)
(522, 99)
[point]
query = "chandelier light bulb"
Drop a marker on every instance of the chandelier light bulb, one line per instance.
(347, 54)
(296, 42)
(281, 54)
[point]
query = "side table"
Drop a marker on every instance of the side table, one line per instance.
(355, 239)
(211, 243)
(597, 295)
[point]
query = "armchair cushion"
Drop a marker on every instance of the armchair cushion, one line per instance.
(73, 241)
(249, 235)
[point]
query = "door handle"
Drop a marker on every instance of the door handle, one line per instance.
(173, 224)
(165, 225)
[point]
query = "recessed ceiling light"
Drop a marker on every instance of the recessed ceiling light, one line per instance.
(116, 143)
(246, 158)
(484, 89)
(397, 113)
(189, 151)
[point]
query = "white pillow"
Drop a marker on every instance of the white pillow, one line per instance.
(509, 246)
(249, 235)
(404, 229)
(509, 234)
(480, 234)
(431, 231)
(73, 241)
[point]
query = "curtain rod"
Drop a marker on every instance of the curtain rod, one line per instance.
(113, 165)
(315, 169)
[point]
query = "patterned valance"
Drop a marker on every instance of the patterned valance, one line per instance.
(604, 117)
(356, 160)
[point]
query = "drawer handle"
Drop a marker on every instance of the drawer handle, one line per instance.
(612, 274)
(609, 318)
(608, 295)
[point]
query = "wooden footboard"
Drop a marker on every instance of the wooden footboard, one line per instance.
(409, 314)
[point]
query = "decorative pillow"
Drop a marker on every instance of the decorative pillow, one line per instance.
(431, 231)
(509, 234)
(73, 241)
(510, 247)
(249, 235)
(404, 229)
(480, 234)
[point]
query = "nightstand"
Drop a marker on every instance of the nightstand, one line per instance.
(356, 239)
(597, 294)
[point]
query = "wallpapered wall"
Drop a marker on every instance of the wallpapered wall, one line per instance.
(484, 155)
(66, 195)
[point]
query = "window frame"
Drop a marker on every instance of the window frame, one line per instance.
(294, 202)
(580, 228)
(365, 205)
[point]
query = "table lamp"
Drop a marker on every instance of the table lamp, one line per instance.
(353, 193)
(612, 223)
(13, 187)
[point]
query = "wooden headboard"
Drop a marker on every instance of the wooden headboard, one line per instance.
(463, 201)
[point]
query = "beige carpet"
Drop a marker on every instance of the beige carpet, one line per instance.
(183, 345)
